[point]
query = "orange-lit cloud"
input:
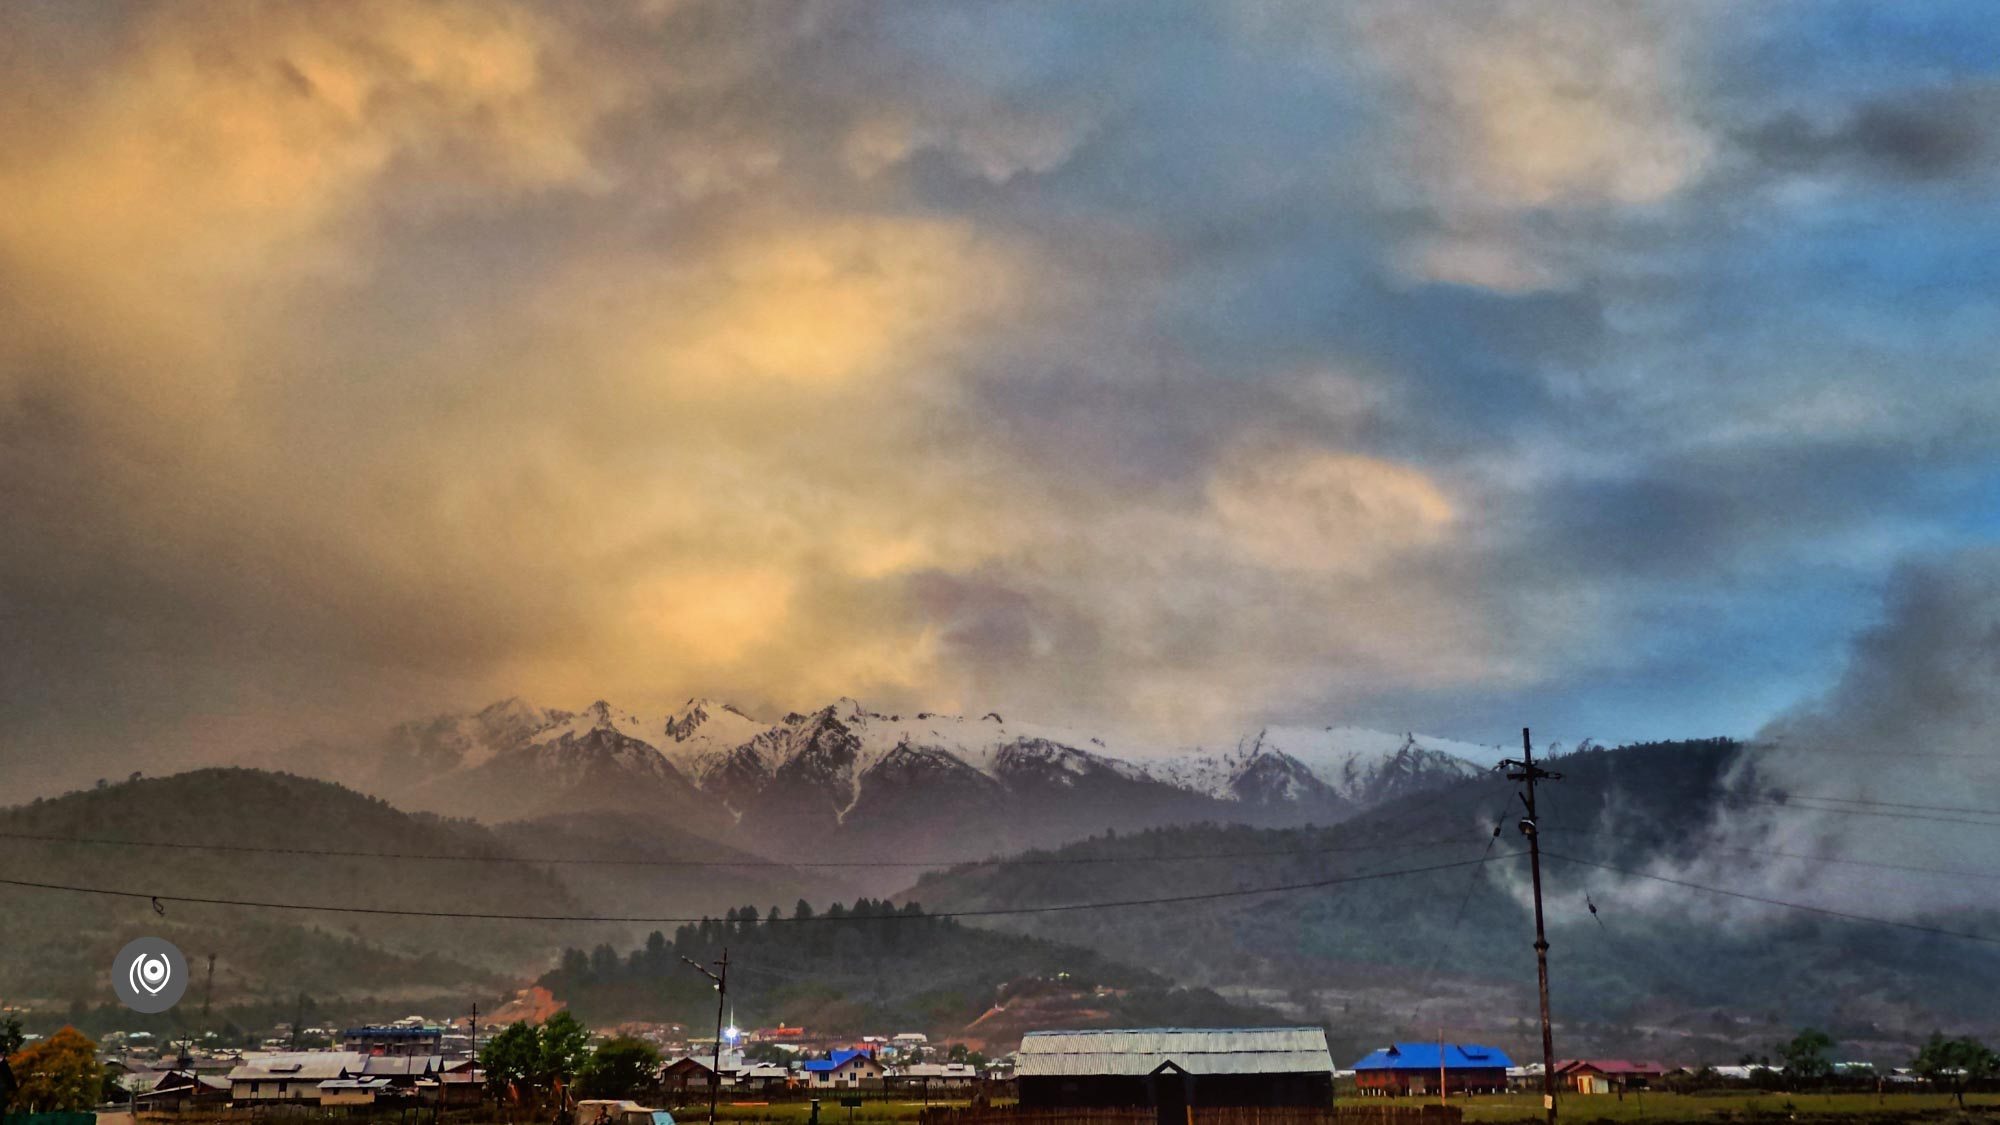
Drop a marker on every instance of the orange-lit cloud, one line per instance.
(1166, 375)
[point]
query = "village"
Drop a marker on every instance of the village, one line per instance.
(656, 1074)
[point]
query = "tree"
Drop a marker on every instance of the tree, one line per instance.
(509, 1060)
(1806, 1055)
(10, 1042)
(57, 1075)
(1955, 1064)
(620, 1068)
(563, 1049)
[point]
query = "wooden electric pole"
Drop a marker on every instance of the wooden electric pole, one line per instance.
(1527, 772)
(478, 1081)
(721, 997)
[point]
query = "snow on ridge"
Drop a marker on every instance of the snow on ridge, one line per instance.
(600, 716)
(700, 736)
(1342, 757)
(1312, 745)
(704, 735)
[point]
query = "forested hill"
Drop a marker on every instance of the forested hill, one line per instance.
(870, 965)
(244, 834)
(1402, 953)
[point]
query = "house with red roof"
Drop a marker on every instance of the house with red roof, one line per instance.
(1605, 1076)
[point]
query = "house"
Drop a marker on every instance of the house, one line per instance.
(291, 1077)
(1420, 1068)
(929, 1077)
(764, 1077)
(461, 1082)
(689, 1074)
(406, 1075)
(374, 1040)
(352, 1091)
(842, 1070)
(1169, 1067)
(1604, 1076)
(177, 1088)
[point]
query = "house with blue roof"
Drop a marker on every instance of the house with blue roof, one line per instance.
(1431, 1068)
(842, 1070)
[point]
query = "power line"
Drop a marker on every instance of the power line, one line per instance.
(981, 913)
(1774, 854)
(1893, 804)
(1797, 804)
(1827, 911)
(1457, 919)
(1841, 752)
(1891, 810)
(1031, 861)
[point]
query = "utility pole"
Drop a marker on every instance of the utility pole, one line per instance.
(208, 992)
(721, 997)
(1527, 772)
(478, 1086)
(1444, 1090)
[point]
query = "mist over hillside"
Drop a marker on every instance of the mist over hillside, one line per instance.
(1655, 969)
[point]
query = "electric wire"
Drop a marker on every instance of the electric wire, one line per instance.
(612, 861)
(1826, 911)
(1283, 888)
(1879, 865)
(1457, 919)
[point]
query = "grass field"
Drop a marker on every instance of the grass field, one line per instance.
(1525, 1107)
(790, 1112)
(1663, 1106)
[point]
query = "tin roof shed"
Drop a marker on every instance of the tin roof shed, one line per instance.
(1138, 1052)
(1424, 1056)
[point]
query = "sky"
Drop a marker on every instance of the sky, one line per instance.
(1615, 369)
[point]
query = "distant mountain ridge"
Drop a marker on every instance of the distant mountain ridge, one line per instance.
(1641, 965)
(854, 778)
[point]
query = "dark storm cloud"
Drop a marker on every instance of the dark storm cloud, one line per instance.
(1933, 135)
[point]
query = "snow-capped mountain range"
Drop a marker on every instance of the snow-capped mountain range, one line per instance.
(849, 777)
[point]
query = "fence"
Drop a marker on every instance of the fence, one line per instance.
(48, 1118)
(401, 1112)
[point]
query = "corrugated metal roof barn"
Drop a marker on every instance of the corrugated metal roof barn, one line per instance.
(1249, 1050)
(1176, 1066)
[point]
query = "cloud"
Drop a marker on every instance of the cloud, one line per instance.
(1930, 135)
(1263, 363)
(1314, 510)
(1850, 772)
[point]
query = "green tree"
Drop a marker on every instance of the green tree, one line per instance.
(620, 1068)
(11, 1036)
(563, 1048)
(1806, 1056)
(509, 1060)
(1954, 1064)
(58, 1074)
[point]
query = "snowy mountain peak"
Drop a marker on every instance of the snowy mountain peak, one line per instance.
(698, 713)
(829, 760)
